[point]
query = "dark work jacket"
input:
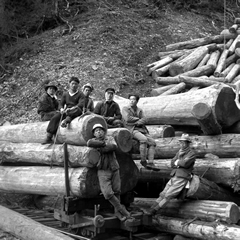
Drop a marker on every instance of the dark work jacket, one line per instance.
(106, 147)
(71, 101)
(112, 111)
(47, 104)
(185, 164)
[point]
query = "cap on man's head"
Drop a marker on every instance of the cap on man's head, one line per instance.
(110, 90)
(185, 137)
(51, 84)
(75, 79)
(98, 125)
(88, 85)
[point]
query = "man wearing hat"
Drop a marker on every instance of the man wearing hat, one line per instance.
(69, 109)
(48, 103)
(181, 174)
(108, 169)
(109, 109)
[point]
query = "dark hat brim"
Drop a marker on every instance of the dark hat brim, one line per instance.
(110, 90)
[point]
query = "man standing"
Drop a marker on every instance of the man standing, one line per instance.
(134, 121)
(109, 109)
(182, 165)
(69, 109)
(48, 103)
(108, 169)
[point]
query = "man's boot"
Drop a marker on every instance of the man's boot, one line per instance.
(117, 208)
(151, 165)
(48, 139)
(143, 153)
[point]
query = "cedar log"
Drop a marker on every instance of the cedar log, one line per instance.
(176, 109)
(25, 228)
(197, 229)
(221, 63)
(204, 210)
(160, 90)
(233, 28)
(214, 57)
(206, 119)
(158, 64)
(233, 46)
(205, 70)
(175, 89)
(204, 60)
(231, 59)
(227, 70)
(229, 43)
(161, 131)
(233, 73)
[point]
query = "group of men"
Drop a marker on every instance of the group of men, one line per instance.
(74, 103)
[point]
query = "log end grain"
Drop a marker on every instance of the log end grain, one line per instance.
(234, 213)
(201, 111)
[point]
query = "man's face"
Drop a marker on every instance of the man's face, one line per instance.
(73, 86)
(109, 95)
(133, 101)
(51, 91)
(183, 144)
(99, 133)
(87, 91)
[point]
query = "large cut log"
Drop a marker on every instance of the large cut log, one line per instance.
(224, 146)
(25, 228)
(223, 171)
(197, 229)
(206, 119)
(214, 57)
(38, 154)
(189, 62)
(51, 181)
(175, 89)
(204, 210)
(176, 109)
(199, 42)
(221, 63)
(161, 131)
(160, 90)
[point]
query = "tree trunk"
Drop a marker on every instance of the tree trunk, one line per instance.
(188, 63)
(221, 63)
(197, 229)
(204, 60)
(204, 210)
(78, 132)
(176, 109)
(223, 171)
(161, 131)
(199, 42)
(175, 89)
(214, 59)
(37, 154)
(160, 90)
(206, 119)
(224, 146)
(25, 228)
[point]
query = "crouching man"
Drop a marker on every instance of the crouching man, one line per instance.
(108, 170)
(181, 174)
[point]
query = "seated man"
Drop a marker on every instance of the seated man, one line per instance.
(48, 103)
(108, 169)
(68, 111)
(134, 121)
(182, 165)
(109, 109)
(86, 103)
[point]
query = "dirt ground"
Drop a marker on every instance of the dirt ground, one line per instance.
(110, 46)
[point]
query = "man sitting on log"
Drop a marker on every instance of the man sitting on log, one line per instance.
(108, 170)
(86, 103)
(134, 121)
(48, 103)
(69, 109)
(109, 109)
(182, 165)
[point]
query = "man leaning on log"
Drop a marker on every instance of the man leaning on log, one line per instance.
(108, 169)
(181, 174)
(134, 121)
(72, 105)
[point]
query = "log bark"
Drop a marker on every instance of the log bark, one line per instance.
(206, 119)
(189, 62)
(158, 64)
(214, 57)
(175, 89)
(160, 90)
(204, 210)
(51, 181)
(78, 133)
(37, 154)
(199, 42)
(161, 131)
(233, 73)
(25, 228)
(197, 229)
(204, 60)
(223, 171)
(176, 109)
(221, 63)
